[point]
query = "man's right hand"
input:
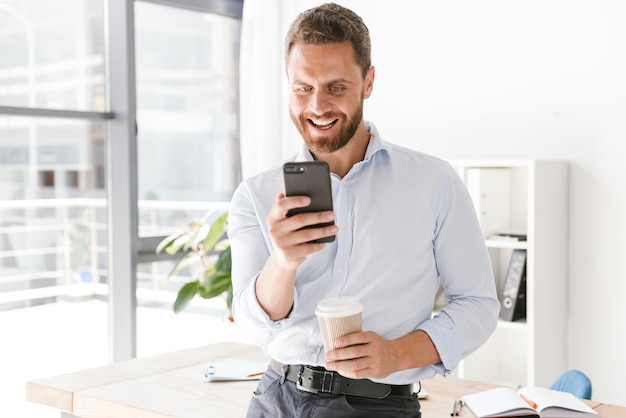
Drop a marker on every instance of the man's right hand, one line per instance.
(291, 242)
(275, 285)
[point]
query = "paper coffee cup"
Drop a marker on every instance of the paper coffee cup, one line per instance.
(337, 317)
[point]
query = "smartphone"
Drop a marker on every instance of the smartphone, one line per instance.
(312, 179)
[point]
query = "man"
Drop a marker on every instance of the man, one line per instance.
(403, 223)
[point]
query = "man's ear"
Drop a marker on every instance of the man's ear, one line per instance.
(369, 82)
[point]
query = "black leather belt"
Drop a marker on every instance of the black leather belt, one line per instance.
(319, 380)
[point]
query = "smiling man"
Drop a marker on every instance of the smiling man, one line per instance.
(403, 222)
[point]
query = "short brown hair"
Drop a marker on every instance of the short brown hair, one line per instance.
(330, 23)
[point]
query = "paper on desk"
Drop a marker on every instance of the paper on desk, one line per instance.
(229, 371)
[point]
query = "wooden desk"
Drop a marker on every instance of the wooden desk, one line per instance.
(171, 385)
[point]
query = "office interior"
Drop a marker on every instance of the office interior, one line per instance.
(84, 190)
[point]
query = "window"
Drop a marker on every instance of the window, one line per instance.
(57, 125)
(187, 140)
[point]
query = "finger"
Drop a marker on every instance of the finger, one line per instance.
(303, 227)
(355, 368)
(355, 338)
(314, 218)
(277, 217)
(286, 203)
(296, 244)
(319, 236)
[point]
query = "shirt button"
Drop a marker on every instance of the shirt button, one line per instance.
(312, 349)
(340, 270)
(343, 225)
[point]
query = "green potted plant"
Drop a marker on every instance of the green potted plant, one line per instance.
(207, 256)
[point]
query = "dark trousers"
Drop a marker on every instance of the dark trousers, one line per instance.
(276, 397)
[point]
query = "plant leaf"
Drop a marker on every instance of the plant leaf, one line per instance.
(166, 242)
(178, 243)
(229, 297)
(188, 260)
(211, 275)
(185, 294)
(222, 245)
(218, 285)
(224, 261)
(216, 232)
(197, 234)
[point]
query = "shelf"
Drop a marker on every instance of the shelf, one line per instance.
(517, 199)
(514, 245)
(521, 325)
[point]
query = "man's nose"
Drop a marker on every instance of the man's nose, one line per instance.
(320, 102)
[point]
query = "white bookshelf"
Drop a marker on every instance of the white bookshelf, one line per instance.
(526, 196)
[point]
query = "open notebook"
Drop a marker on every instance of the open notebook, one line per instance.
(229, 371)
(527, 402)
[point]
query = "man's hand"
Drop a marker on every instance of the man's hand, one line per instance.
(276, 282)
(290, 241)
(363, 355)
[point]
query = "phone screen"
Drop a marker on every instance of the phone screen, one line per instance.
(312, 179)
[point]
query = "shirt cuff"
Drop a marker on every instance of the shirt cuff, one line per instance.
(447, 342)
(254, 310)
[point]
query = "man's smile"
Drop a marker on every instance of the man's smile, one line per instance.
(323, 123)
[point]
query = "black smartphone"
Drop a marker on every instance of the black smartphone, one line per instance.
(312, 179)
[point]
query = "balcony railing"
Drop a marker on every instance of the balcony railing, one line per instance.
(56, 249)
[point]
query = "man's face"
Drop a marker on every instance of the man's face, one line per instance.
(326, 94)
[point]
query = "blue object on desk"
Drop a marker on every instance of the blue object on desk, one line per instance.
(575, 382)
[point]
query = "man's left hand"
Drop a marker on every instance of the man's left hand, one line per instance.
(362, 355)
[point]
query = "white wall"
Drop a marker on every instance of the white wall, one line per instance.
(540, 79)
(511, 79)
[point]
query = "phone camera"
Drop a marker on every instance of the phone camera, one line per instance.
(294, 169)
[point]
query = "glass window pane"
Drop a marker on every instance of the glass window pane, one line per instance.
(186, 63)
(52, 54)
(53, 260)
(186, 104)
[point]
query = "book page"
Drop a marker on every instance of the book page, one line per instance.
(549, 402)
(498, 402)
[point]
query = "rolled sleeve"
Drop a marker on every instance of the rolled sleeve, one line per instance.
(250, 317)
(447, 342)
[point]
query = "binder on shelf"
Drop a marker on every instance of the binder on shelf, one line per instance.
(513, 294)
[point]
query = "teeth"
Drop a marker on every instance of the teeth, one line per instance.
(323, 122)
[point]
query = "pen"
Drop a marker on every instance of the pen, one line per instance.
(456, 407)
(255, 374)
(532, 404)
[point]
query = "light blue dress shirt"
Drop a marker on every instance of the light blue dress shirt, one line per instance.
(406, 222)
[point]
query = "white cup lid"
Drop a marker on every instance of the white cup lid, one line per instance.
(339, 306)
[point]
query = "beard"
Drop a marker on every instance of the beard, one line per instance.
(329, 144)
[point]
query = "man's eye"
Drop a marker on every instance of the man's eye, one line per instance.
(336, 89)
(303, 89)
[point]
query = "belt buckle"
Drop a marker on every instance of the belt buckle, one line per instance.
(326, 382)
(299, 382)
(328, 377)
